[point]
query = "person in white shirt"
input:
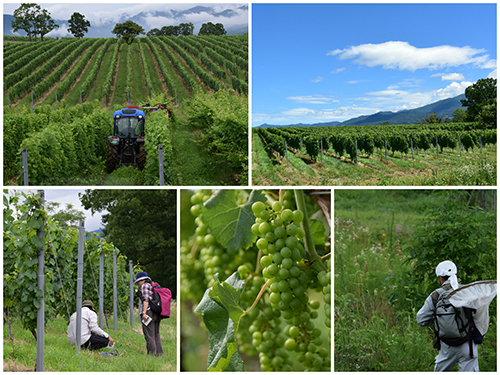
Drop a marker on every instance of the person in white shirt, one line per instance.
(92, 336)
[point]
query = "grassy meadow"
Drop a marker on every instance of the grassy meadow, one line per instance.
(19, 354)
(374, 331)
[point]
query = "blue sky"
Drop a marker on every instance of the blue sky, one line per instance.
(332, 62)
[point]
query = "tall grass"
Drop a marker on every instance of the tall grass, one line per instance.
(130, 346)
(374, 331)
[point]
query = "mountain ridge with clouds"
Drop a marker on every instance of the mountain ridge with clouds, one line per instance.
(443, 108)
(234, 19)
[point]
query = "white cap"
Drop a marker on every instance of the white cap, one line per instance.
(448, 268)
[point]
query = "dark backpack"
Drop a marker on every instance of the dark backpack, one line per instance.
(155, 303)
(452, 325)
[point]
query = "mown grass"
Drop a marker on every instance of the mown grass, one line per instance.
(130, 347)
(424, 169)
(371, 229)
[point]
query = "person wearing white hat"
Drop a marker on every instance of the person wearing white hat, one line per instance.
(464, 354)
(92, 336)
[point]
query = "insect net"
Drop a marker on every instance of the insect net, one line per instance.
(478, 296)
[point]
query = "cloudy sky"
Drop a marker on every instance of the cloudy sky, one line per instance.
(65, 196)
(100, 14)
(332, 62)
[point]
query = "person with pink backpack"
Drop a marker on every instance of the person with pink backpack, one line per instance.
(150, 318)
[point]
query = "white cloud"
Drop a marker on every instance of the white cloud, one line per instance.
(493, 74)
(317, 79)
(450, 76)
(338, 70)
(60, 32)
(312, 99)
(453, 89)
(403, 56)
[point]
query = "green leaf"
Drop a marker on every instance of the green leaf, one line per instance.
(221, 312)
(318, 232)
(230, 223)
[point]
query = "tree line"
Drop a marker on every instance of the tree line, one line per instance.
(35, 21)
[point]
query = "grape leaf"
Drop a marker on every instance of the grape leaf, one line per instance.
(230, 223)
(221, 312)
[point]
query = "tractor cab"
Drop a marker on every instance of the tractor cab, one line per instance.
(128, 122)
(126, 145)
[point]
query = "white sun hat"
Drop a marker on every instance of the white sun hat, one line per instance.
(448, 268)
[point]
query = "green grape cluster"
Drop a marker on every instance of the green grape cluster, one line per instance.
(325, 279)
(279, 233)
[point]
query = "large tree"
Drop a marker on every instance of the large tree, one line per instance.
(44, 24)
(128, 30)
(23, 18)
(142, 224)
(78, 25)
(186, 29)
(480, 94)
(211, 29)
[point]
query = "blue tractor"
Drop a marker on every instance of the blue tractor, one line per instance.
(126, 145)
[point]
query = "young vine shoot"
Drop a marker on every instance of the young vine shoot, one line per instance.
(258, 269)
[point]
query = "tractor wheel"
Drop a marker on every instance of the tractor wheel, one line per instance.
(112, 160)
(141, 162)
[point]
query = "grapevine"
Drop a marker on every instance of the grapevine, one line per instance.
(258, 259)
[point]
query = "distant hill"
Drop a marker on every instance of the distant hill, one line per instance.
(443, 108)
(104, 30)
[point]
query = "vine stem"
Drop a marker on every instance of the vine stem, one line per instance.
(312, 255)
(256, 299)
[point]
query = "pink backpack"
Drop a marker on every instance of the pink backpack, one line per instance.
(165, 296)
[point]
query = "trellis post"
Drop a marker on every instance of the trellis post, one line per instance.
(160, 161)
(79, 283)
(131, 293)
(40, 317)
(101, 286)
(25, 166)
(115, 309)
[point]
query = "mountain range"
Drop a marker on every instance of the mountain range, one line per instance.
(443, 108)
(104, 29)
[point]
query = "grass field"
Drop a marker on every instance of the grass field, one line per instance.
(130, 347)
(372, 228)
(449, 169)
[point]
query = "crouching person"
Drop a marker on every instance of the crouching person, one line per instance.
(92, 337)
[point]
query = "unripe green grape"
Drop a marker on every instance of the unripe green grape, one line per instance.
(255, 229)
(262, 244)
(301, 233)
(243, 271)
(257, 336)
(291, 229)
(264, 215)
(298, 216)
(286, 296)
(276, 206)
(314, 304)
(293, 331)
(272, 269)
(292, 241)
(283, 273)
(275, 298)
(290, 344)
(279, 244)
(266, 261)
(283, 285)
(196, 210)
(280, 232)
(257, 207)
(270, 237)
(265, 227)
(196, 198)
(278, 222)
(287, 215)
(287, 263)
(277, 258)
(286, 252)
(271, 248)
(209, 239)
